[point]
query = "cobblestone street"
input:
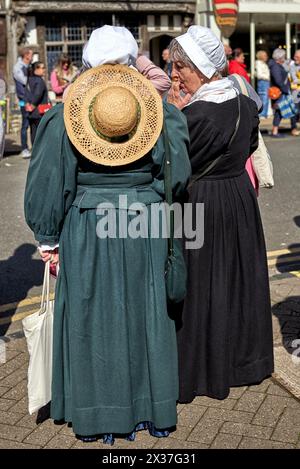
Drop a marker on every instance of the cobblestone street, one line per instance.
(261, 416)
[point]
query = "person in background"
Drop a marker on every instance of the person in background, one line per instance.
(237, 64)
(62, 75)
(295, 80)
(263, 80)
(168, 64)
(36, 93)
(159, 79)
(279, 78)
(20, 74)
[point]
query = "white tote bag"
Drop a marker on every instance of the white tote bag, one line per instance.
(38, 330)
(262, 164)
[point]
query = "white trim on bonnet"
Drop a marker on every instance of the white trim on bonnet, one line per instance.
(197, 55)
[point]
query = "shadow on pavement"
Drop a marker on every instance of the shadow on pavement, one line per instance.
(18, 274)
(291, 261)
(288, 315)
(11, 148)
(288, 310)
(297, 220)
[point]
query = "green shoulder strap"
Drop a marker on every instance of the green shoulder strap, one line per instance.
(168, 188)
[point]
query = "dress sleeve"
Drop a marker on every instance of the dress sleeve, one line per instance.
(156, 75)
(51, 180)
(178, 136)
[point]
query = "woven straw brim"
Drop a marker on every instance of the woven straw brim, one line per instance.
(79, 127)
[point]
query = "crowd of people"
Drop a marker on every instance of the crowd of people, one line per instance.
(127, 346)
(276, 72)
(32, 90)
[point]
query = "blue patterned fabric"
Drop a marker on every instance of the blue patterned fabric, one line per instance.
(286, 106)
(109, 438)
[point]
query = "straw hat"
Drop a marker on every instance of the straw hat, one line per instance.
(113, 115)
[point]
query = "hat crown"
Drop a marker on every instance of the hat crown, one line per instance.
(113, 115)
(115, 112)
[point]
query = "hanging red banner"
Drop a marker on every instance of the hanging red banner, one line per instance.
(226, 12)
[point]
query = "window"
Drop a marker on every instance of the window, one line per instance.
(130, 22)
(53, 53)
(70, 35)
(74, 32)
(157, 22)
(67, 37)
(75, 53)
(90, 26)
(53, 34)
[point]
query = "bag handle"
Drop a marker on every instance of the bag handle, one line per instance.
(46, 289)
(168, 188)
(242, 84)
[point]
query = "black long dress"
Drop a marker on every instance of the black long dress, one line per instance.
(225, 333)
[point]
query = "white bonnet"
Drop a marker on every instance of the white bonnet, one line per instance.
(204, 49)
(110, 45)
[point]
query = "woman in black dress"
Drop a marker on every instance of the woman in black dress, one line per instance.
(225, 332)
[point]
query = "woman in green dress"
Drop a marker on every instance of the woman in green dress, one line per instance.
(114, 354)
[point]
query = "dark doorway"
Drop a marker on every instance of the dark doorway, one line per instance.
(157, 45)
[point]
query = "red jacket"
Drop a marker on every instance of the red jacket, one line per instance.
(240, 69)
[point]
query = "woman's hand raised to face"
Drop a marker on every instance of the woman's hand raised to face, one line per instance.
(176, 98)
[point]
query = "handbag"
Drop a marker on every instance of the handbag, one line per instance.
(262, 164)
(286, 106)
(42, 108)
(29, 107)
(175, 268)
(261, 159)
(38, 330)
(274, 92)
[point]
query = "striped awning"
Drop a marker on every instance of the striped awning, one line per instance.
(226, 12)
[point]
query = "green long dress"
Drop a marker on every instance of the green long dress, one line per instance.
(115, 355)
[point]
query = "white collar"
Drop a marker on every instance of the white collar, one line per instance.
(217, 91)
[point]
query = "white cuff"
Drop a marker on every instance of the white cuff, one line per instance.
(46, 247)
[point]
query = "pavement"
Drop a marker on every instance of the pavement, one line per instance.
(263, 416)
